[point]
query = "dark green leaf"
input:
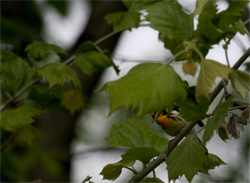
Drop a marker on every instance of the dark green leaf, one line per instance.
(136, 133)
(87, 46)
(49, 98)
(189, 158)
(240, 81)
(112, 171)
(219, 113)
(92, 62)
(143, 154)
(146, 88)
(15, 73)
(136, 5)
(123, 20)
(16, 119)
(232, 14)
(206, 27)
(191, 111)
(58, 73)
(222, 131)
(170, 20)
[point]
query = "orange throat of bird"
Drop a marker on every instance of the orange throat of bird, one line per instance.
(164, 121)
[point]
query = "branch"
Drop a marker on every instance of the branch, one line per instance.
(172, 144)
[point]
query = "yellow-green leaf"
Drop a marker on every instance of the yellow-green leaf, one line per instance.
(146, 88)
(240, 81)
(209, 71)
(73, 100)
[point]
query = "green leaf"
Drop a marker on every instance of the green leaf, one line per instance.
(191, 111)
(112, 171)
(136, 133)
(15, 73)
(73, 100)
(199, 6)
(206, 27)
(209, 71)
(152, 180)
(143, 154)
(240, 82)
(219, 113)
(58, 73)
(87, 46)
(136, 5)
(39, 51)
(232, 14)
(189, 158)
(146, 88)
(170, 20)
(190, 153)
(16, 119)
(92, 62)
(123, 20)
(211, 162)
(48, 98)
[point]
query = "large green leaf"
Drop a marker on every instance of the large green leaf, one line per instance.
(15, 73)
(189, 158)
(93, 61)
(58, 73)
(136, 133)
(170, 20)
(240, 81)
(123, 20)
(15, 119)
(219, 113)
(146, 88)
(209, 71)
(136, 5)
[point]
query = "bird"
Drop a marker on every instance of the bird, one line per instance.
(171, 122)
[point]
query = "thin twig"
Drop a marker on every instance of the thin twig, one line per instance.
(106, 37)
(86, 179)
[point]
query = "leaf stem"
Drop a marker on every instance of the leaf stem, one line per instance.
(199, 53)
(171, 59)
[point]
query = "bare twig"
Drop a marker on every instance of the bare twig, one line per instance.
(86, 179)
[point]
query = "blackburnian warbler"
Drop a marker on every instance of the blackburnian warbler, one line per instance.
(171, 122)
